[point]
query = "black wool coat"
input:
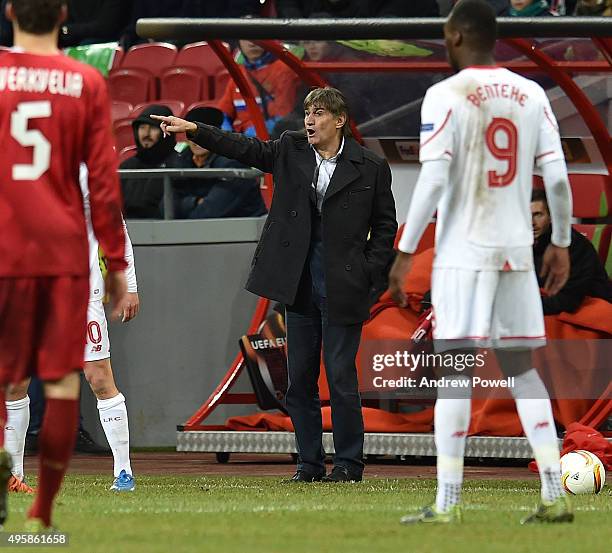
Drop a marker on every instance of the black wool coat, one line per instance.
(358, 219)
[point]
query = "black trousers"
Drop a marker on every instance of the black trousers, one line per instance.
(308, 331)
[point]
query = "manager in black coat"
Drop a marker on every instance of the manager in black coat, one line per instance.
(326, 242)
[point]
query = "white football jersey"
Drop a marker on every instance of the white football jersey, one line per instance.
(96, 281)
(491, 124)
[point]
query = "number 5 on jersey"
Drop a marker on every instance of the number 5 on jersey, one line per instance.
(41, 155)
(507, 153)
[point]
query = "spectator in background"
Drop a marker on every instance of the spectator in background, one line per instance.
(208, 198)
(588, 276)
(142, 197)
(94, 21)
(321, 51)
(529, 8)
(594, 7)
(273, 84)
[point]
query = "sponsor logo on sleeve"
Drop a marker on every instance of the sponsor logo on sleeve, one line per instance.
(427, 127)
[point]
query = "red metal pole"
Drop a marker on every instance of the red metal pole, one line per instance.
(301, 69)
(215, 399)
(584, 106)
(256, 115)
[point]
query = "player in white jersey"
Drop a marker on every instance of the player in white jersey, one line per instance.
(482, 130)
(97, 369)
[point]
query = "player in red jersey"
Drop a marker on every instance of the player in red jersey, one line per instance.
(54, 114)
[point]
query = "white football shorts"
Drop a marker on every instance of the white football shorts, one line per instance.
(498, 309)
(97, 345)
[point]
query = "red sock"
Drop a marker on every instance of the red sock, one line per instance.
(3, 415)
(55, 444)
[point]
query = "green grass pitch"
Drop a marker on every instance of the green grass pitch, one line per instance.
(265, 515)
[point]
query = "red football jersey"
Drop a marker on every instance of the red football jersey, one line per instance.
(55, 114)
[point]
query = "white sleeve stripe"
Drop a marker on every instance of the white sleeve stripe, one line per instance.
(439, 130)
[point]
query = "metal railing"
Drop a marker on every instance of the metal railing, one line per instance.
(168, 174)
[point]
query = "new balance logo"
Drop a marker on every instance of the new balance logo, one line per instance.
(543, 424)
(97, 348)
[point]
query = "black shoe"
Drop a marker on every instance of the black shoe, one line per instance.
(305, 476)
(341, 474)
(85, 444)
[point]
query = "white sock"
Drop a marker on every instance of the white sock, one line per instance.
(114, 419)
(451, 423)
(17, 422)
(535, 411)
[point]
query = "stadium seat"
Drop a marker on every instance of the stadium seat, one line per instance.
(427, 240)
(153, 57)
(220, 84)
(202, 104)
(187, 84)
(176, 107)
(118, 58)
(126, 153)
(599, 235)
(120, 110)
(124, 135)
(591, 195)
(201, 55)
(131, 85)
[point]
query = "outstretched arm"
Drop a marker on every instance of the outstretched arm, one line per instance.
(250, 151)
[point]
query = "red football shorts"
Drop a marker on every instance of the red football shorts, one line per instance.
(43, 325)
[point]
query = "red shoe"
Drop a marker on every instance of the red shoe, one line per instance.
(17, 485)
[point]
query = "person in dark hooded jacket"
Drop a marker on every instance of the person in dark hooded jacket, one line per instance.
(208, 198)
(142, 197)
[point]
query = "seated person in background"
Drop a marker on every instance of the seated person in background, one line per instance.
(215, 197)
(142, 197)
(529, 8)
(587, 275)
(273, 84)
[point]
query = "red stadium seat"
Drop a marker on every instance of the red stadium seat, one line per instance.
(131, 85)
(202, 104)
(187, 84)
(599, 235)
(153, 56)
(220, 84)
(591, 195)
(126, 153)
(120, 110)
(201, 55)
(124, 135)
(538, 182)
(118, 58)
(176, 107)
